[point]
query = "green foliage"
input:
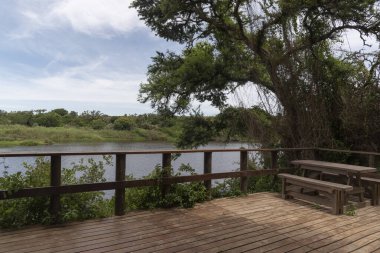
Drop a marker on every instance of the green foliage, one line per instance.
(287, 49)
(350, 210)
(146, 127)
(197, 130)
(123, 123)
(264, 184)
(174, 81)
(231, 124)
(21, 118)
(80, 206)
(182, 195)
(98, 124)
(50, 119)
(61, 111)
(231, 187)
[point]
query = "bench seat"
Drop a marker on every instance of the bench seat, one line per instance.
(332, 194)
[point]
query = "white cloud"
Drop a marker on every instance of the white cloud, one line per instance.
(85, 83)
(105, 18)
(97, 16)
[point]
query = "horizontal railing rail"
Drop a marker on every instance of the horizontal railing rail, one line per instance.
(371, 156)
(142, 152)
(55, 189)
(64, 189)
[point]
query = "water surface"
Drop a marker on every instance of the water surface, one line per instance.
(137, 165)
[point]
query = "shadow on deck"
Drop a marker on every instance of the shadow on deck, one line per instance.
(261, 222)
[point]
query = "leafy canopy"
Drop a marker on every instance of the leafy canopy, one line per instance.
(286, 48)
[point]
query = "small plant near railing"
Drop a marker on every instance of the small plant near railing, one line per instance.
(316, 206)
(179, 195)
(350, 210)
(35, 210)
(230, 187)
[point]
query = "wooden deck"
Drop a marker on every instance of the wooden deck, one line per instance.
(260, 222)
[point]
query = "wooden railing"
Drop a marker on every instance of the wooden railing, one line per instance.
(56, 189)
(370, 156)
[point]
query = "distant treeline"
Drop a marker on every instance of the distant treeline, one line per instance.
(186, 131)
(91, 119)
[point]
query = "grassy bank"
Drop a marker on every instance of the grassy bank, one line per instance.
(19, 135)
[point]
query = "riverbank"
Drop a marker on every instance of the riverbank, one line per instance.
(19, 135)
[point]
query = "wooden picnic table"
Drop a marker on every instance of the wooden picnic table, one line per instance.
(350, 171)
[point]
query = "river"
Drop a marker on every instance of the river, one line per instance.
(137, 165)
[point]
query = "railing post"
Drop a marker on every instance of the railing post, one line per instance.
(274, 159)
(55, 180)
(371, 160)
(120, 191)
(243, 167)
(207, 168)
(166, 167)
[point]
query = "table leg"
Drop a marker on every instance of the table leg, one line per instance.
(361, 194)
(349, 178)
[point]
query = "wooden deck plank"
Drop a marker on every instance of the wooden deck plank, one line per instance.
(144, 243)
(139, 220)
(130, 231)
(206, 238)
(356, 245)
(321, 234)
(256, 223)
(340, 239)
(131, 215)
(267, 231)
(371, 247)
(308, 235)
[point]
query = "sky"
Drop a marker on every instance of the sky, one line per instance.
(79, 55)
(76, 54)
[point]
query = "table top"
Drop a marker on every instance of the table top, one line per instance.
(321, 165)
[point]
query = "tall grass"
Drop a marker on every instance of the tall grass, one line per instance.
(14, 135)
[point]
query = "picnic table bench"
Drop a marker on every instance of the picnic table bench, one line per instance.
(335, 195)
(329, 193)
(352, 173)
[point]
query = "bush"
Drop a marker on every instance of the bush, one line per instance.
(21, 118)
(50, 119)
(79, 206)
(123, 123)
(60, 111)
(98, 124)
(182, 195)
(231, 187)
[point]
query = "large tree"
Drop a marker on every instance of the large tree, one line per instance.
(284, 47)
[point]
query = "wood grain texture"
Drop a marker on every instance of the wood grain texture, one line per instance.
(260, 222)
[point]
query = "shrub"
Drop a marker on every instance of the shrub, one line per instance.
(60, 111)
(79, 206)
(182, 195)
(50, 119)
(123, 123)
(231, 187)
(98, 124)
